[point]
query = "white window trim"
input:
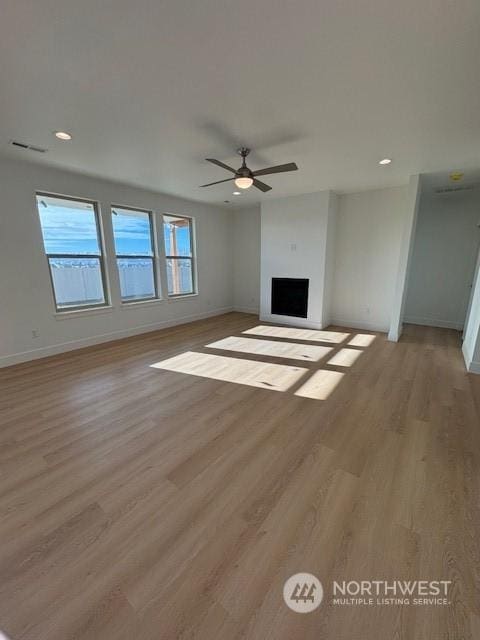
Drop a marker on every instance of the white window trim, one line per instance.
(79, 313)
(193, 257)
(182, 296)
(155, 258)
(143, 303)
(102, 257)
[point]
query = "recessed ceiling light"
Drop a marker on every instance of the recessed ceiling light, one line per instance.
(63, 135)
(236, 193)
(385, 161)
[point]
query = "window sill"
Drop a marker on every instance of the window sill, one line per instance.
(80, 313)
(182, 297)
(142, 303)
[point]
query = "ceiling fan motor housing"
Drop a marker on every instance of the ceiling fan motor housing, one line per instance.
(244, 172)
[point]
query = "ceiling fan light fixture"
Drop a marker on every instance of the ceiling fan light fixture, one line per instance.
(243, 182)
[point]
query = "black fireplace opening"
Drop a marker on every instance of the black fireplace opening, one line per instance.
(290, 297)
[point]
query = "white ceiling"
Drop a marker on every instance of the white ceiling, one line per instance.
(149, 88)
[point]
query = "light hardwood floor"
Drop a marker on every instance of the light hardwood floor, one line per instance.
(173, 501)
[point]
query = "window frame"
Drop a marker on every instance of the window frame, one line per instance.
(100, 257)
(191, 257)
(154, 257)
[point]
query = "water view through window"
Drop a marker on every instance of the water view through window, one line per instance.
(72, 240)
(72, 244)
(132, 232)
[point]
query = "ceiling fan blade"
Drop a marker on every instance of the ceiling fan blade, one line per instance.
(261, 185)
(218, 182)
(280, 168)
(221, 164)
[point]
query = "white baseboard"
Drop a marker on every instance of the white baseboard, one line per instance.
(311, 324)
(43, 352)
(253, 310)
(433, 322)
(291, 321)
(474, 367)
(471, 365)
(359, 324)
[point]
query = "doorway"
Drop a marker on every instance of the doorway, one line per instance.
(445, 253)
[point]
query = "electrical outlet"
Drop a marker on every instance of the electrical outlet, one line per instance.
(293, 247)
(35, 333)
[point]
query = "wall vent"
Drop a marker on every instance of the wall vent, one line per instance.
(27, 147)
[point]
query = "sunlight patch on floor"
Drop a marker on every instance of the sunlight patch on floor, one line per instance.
(291, 350)
(276, 377)
(299, 334)
(320, 385)
(345, 357)
(362, 340)
(315, 384)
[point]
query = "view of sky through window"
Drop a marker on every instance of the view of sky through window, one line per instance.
(71, 229)
(72, 245)
(131, 231)
(182, 234)
(66, 228)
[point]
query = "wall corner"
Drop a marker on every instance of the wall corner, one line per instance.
(404, 261)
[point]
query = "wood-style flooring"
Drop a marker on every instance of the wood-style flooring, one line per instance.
(173, 501)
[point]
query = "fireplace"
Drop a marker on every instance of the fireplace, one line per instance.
(290, 297)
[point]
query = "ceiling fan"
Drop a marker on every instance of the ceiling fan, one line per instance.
(244, 177)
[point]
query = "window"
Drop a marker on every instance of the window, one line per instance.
(178, 237)
(133, 235)
(72, 244)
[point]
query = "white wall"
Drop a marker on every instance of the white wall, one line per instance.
(246, 259)
(294, 233)
(25, 290)
(370, 227)
(405, 257)
(330, 245)
(443, 260)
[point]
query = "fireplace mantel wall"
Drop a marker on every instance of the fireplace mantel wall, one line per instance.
(297, 241)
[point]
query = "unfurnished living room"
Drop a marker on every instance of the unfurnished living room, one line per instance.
(239, 320)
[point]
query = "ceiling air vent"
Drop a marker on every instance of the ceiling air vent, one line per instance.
(27, 147)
